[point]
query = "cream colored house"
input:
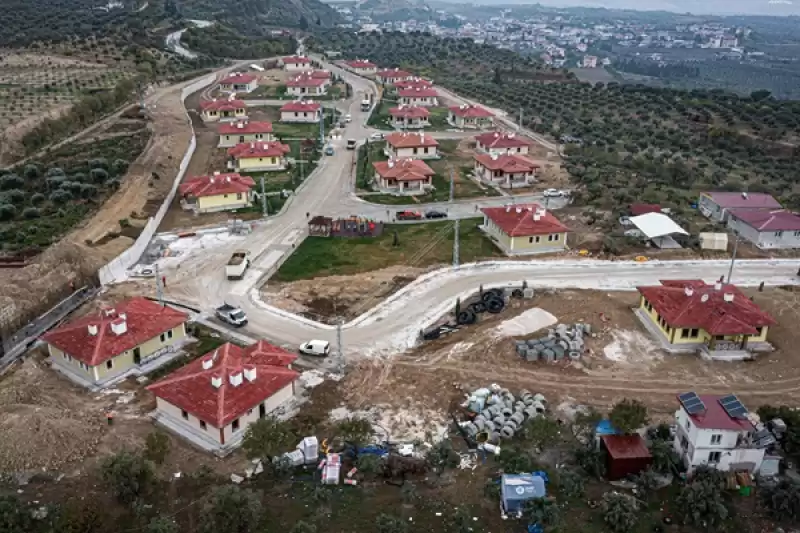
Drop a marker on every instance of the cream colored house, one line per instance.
(258, 156)
(409, 117)
(212, 400)
(405, 176)
(302, 111)
(524, 229)
(418, 96)
(297, 64)
(499, 143)
(470, 117)
(362, 66)
(244, 131)
(104, 347)
(305, 85)
(217, 192)
(239, 82)
(506, 171)
(222, 110)
(411, 145)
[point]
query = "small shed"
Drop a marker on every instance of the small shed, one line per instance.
(658, 228)
(516, 489)
(713, 241)
(626, 455)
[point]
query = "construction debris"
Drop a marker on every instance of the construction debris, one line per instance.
(562, 341)
(499, 414)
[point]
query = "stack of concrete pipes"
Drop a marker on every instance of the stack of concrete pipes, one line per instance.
(502, 415)
(562, 341)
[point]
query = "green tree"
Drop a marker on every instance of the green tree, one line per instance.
(355, 430)
(542, 511)
(386, 523)
(128, 475)
(782, 501)
(514, 460)
(267, 438)
(620, 512)
(571, 484)
(461, 521)
(584, 424)
(161, 524)
(540, 432)
(14, 516)
(628, 415)
(591, 459)
(368, 464)
(303, 527)
(702, 501)
(442, 456)
(157, 445)
(665, 458)
(646, 483)
(233, 510)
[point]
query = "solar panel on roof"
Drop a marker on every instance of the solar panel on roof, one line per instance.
(733, 406)
(692, 403)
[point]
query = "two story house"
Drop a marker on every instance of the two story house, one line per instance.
(258, 156)
(767, 229)
(307, 85)
(239, 82)
(243, 131)
(404, 176)
(222, 110)
(497, 142)
(303, 111)
(410, 145)
(362, 67)
(296, 64)
(392, 75)
(419, 96)
(470, 117)
(103, 348)
(408, 117)
(718, 205)
(218, 192)
(506, 171)
(524, 229)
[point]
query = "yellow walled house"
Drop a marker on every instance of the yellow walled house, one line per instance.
(258, 156)
(692, 315)
(218, 192)
(222, 110)
(524, 229)
(105, 347)
(244, 131)
(239, 82)
(470, 117)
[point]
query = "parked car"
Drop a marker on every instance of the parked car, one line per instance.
(553, 193)
(377, 136)
(435, 214)
(408, 215)
(231, 315)
(329, 150)
(348, 118)
(316, 347)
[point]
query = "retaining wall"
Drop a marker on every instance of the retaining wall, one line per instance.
(117, 268)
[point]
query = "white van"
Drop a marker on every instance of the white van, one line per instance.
(316, 347)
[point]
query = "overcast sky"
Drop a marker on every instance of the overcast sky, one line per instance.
(720, 7)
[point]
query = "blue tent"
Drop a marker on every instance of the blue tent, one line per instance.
(516, 489)
(604, 427)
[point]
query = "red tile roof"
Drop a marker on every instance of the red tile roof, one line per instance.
(244, 127)
(321, 74)
(626, 446)
(190, 387)
(259, 149)
(696, 304)
(394, 73)
(750, 200)
(231, 183)
(300, 106)
(296, 60)
(643, 209)
(144, 320)
(471, 111)
(306, 81)
(360, 63)
(763, 220)
(221, 105)
(519, 220)
(510, 164)
(410, 140)
(715, 417)
(498, 139)
(238, 77)
(418, 92)
(409, 111)
(404, 170)
(412, 83)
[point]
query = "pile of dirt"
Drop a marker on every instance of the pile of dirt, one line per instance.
(43, 428)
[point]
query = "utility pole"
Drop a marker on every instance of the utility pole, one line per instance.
(159, 287)
(456, 249)
(264, 202)
(519, 126)
(733, 257)
(322, 126)
(452, 184)
(339, 346)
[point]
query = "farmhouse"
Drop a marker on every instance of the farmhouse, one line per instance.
(409, 117)
(690, 315)
(524, 229)
(239, 82)
(390, 76)
(507, 171)
(243, 131)
(418, 96)
(133, 336)
(301, 111)
(218, 192)
(502, 143)
(361, 66)
(413, 83)
(258, 156)
(406, 145)
(718, 205)
(470, 117)
(767, 229)
(224, 110)
(307, 85)
(296, 63)
(212, 400)
(405, 176)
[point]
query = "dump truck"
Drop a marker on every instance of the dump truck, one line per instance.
(231, 315)
(237, 265)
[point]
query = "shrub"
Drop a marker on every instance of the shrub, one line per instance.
(15, 196)
(55, 182)
(783, 500)
(7, 211)
(98, 175)
(128, 475)
(99, 162)
(54, 171)
(11, 181)
(156, 447)
(31, 212)
(37, 198)
(230, 508)
(620, 512)
(119, 166)
(88, 190)
(60, 196)
(31, 171)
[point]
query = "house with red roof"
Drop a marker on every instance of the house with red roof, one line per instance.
(222, 110)
(409, 117)
(411, 145)
(296, 63)
(404, 176)
(212, 400)
(524, 229)
(717, 319)
(718, 205)
(767, 229)
(413, 83)
(217, 192)
(506, 171)
(304, 111)
(361, 66)
(498, 142)
(392, 75)
(470, 117)
(306, 84)
(258, 156)
(717, 431)
(418, 96)
(239, 82)
(244, 131)
(127, 339)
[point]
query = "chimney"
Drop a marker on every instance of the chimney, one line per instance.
(240, 125)
(744, 195)
(508, 209)
(207, 363)
(228, 179)
(235, 378)
(252, 145)
(494, 156)
(688, 291)
(119, 326)
(211, 179)
(92, 329)
(704, 298)
(728, 297)
(718, 286)
(250, 374)
(537, 217)
(216, 382)
(123, 316)
(518, 210)
(109, 311)
(216, 172)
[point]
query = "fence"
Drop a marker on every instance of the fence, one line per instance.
(116, 269)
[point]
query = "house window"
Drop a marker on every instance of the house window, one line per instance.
(695, 333)
(426, 149)
(415, 151)
(684, 333)
(235, 425)
(225, 196)
(684, 443)
(185, 415)
(110, 363)
(202, 425)
(238, 196)
(550, 238)
(163, 337)
(716, 439)
(796, 234)
(169, 334)
(688, 424)
(714, 457)
(779, 234)
(759, 331)
(538, 238)
(530, 240)
(556, 236)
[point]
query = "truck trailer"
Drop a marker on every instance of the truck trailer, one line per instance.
(237, 265)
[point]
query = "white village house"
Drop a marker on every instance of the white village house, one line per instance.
(404, 176)
(418, 96)
(239, 82)
(409, 117)
(411, 145)
(306, 84)
(296, 64)
(470, 117)
(506, 171)
(301, 111)
(496, 142)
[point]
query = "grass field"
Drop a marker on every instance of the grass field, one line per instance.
(417, 245)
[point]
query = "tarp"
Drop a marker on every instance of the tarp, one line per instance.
(655, 225)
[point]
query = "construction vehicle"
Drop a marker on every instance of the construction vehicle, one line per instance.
(237, 265)
(408, 215)
(351, 144)
(231, 315)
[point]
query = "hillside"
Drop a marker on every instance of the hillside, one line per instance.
(255, 17)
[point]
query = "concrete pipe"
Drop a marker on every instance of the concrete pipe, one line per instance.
(499, 421)
(507, 412)
(518, 418)
(494, 437)
(539, 406)
(471, 429)
(531, 412)
(507, 432)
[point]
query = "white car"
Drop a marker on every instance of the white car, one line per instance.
(316, 347)
(348, 118)
(552, 193)
(376, 136)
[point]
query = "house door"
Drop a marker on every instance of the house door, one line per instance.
(241, 138)
(137, 355)
(262, 411)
